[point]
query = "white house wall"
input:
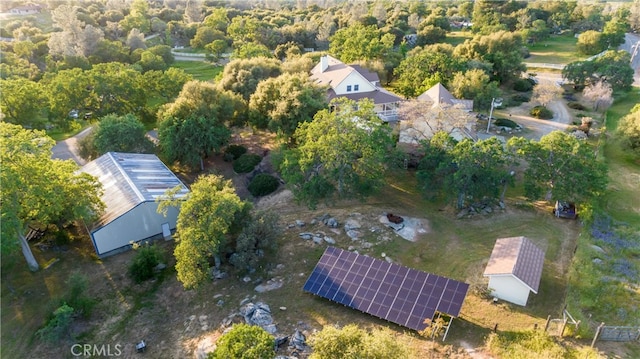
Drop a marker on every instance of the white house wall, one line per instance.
(509, 288)
(139, 223)
(354, 78)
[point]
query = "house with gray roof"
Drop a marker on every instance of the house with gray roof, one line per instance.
(356, 83)
(514, 269)
(132, 182)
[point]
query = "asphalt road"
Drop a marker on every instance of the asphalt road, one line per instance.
(68, 149)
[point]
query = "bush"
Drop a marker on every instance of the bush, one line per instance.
(257, 243)
(234, 152)
(246, 163)
(244, 341)
(541, 112)
(523, 85)
(353, 342)
(518, 99)
(76, 296)
(58, 324)
(143, 266)
(576, 106)
(505, 123)
(263, 184)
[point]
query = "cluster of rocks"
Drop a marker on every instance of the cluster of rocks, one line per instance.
(259, 314)
(317, 237)
(480, 208)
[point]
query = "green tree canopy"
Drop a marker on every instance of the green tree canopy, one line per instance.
(39, 190)
(281, 103)
(243, 75)
(341, 152)
(360, 42)
(591, 42)
(501, 49)
(22, 102)
(470, 171)
(120, 134)
(207, 216)
(474, 84)
(188, 140)
(352, 342)
(244, 341)
(613, 67)
(560, 167)
(629, 130)
(203, 99)
(426, 66)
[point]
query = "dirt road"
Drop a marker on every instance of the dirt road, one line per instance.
(536, 128)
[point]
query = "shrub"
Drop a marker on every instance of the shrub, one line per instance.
(576, 106)
(505, 123)
(143, 266)
(234, 152)
(353, 342)
(244, 341)
(246, 163)
(58, 324)
(257, 243)
(522, 85)
(541, 112)
(76, 296)
(518, 99)
(263, 184)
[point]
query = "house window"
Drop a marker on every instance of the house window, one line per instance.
(356, 87)
(348, 88)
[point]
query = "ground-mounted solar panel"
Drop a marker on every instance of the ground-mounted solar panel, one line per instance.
(389, 291)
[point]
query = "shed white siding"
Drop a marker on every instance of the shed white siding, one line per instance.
(509, 288)
(139, 223)
(353, 79)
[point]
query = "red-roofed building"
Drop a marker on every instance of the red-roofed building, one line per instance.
(355, 83)
(514, 269)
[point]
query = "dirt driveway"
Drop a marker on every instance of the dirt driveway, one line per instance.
(536, 128)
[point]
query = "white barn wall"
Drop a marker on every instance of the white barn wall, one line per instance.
(508, 288)
(139, 223)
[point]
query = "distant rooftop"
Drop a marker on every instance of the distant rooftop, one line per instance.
(129, 179)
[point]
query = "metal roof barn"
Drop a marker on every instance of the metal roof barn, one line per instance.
(131, 182)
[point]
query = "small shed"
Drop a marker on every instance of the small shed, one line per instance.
(514, 269)
(131, 183)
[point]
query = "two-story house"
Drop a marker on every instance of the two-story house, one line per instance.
(356, 83)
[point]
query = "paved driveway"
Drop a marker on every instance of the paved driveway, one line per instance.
(68, 149)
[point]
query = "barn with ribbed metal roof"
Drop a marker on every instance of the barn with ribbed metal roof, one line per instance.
(131, 183)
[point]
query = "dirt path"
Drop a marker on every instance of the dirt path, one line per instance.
(536, 128)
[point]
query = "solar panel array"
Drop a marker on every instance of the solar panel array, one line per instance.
(389, 291)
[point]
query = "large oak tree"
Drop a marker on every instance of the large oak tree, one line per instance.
(340, 153)
(38, 190)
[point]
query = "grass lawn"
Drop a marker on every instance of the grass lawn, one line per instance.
(557, 49)
(200, 70)
(606, 290)
(457, 37)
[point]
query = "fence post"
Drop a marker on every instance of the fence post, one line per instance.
(564, 324)
(546, 326)
(595, 337)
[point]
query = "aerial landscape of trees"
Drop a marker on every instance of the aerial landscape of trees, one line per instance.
(226, 86)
